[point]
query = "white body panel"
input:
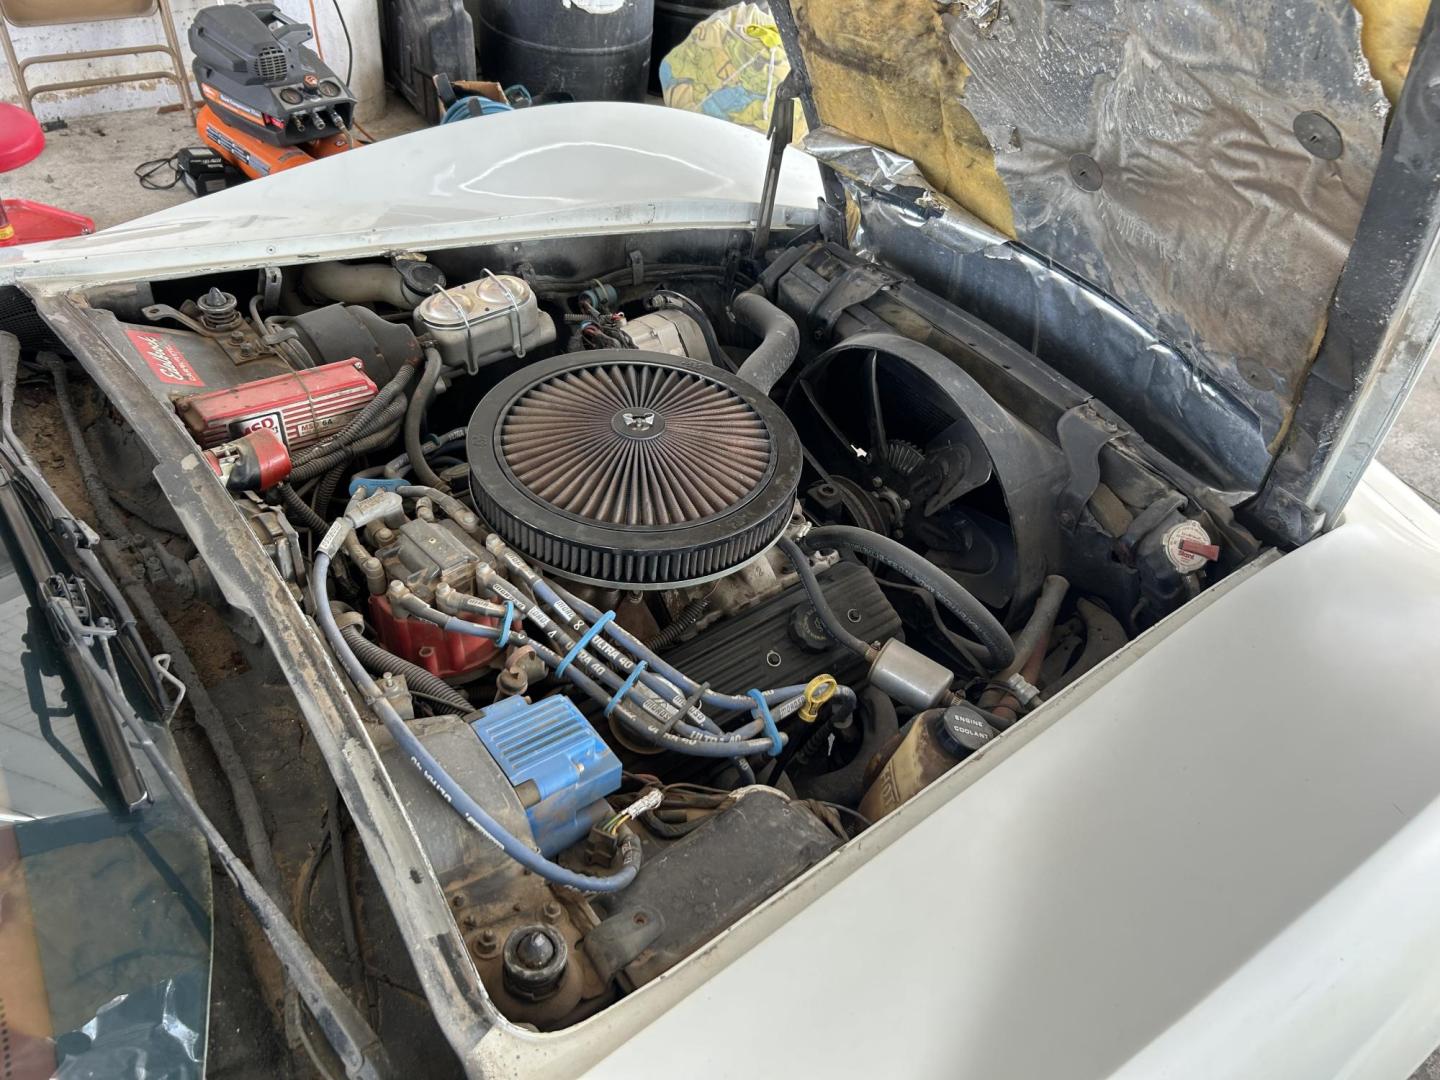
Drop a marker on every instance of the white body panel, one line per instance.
(555, 170)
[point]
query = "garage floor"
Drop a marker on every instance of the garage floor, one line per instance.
(89, 167)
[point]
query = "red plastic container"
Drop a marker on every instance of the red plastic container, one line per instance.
(21, 220)
(25, 222)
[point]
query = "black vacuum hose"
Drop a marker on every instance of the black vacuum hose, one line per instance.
(948, 592)
(304, 513)
(378, 661)
(415, 414)
(832, 622)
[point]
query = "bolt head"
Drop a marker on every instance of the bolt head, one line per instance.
(535, 950)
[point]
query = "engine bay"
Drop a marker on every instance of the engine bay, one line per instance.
(661, 571)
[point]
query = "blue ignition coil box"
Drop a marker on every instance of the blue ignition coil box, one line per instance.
(557, 763)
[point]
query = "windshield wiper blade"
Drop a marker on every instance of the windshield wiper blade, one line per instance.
(79, 633)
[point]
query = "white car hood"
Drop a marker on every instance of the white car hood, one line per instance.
(585, 168)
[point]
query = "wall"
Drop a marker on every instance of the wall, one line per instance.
(362, 17)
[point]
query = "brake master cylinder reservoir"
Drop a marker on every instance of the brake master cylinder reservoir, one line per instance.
(488, 319)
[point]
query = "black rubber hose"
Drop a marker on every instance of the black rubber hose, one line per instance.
(832, 622)
(379, 660)
(379, 433)
(364, 421)
(325, 490)
(779, 340)
(948, 592)
(415, 415)
(304, 514)
(688, 617)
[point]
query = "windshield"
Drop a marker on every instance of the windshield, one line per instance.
(105, 934)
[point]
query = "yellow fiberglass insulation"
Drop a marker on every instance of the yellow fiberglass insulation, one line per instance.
(884, 71)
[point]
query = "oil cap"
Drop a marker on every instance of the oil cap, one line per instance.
(961, 730)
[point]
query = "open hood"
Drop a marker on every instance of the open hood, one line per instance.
(1161, 200)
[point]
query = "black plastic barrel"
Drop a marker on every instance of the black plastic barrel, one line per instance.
(673, 23)
(578, 48)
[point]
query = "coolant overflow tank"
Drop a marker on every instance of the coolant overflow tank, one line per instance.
(484, 320)
(559, 766)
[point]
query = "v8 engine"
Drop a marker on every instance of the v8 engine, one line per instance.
(660, 583)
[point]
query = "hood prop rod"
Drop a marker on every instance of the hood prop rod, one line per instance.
(782, 129)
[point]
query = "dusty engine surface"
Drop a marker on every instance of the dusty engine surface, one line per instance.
(657, 600)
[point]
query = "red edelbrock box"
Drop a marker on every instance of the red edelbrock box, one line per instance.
(301, 407)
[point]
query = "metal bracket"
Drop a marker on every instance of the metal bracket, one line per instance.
(621, 938)
(854, 286)
(1082, 435)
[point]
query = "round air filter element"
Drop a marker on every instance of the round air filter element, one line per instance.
(633, 469)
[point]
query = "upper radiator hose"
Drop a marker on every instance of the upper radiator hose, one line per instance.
(779, 344)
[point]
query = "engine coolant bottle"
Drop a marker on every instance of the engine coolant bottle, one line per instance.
(936, 741)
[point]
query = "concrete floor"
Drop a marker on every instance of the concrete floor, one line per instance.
(89, 167)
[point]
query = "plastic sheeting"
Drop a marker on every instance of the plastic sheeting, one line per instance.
(729, 66)
(153, 1033)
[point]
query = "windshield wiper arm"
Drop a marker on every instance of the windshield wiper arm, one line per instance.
(68, 612)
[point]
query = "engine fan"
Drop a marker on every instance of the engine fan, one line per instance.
(632, 469)
(903, 442)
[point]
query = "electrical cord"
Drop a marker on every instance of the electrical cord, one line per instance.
(147, 171)
(349, 45)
